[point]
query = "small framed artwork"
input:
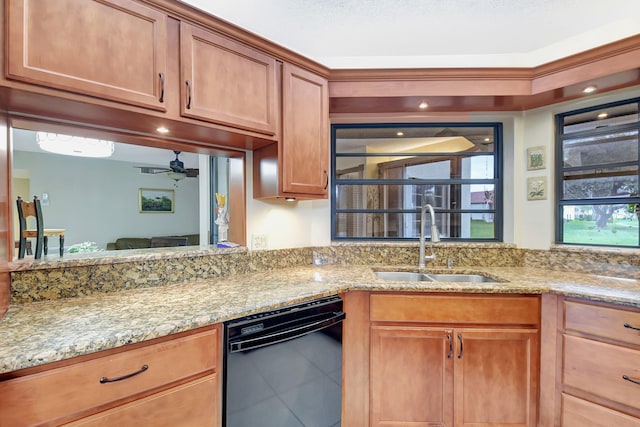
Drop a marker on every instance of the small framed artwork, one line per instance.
(155, 200)
(536, 158)
(537, 188)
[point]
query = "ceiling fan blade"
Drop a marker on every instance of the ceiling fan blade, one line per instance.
(152, 170)
(192, 172)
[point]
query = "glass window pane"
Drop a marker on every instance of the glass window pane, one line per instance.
(602, 117)
(600, 161)
(601, 149)
(414, 139)
(407, 225)
(410, 197)
(612, 224)
(415, 167)
(422, 160)
(597, 183)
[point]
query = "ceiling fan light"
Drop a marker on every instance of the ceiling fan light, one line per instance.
(176, 176)
(74, 145)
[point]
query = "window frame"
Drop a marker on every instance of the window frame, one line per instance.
(497, 181)
(560, 169)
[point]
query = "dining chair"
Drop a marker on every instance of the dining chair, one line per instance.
(41, 234)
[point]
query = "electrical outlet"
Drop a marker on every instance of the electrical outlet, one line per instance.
(258, 241)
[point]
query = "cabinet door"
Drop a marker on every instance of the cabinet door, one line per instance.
(226, 82)
(411, 381)
(496, 378)
(305, 132)
(113, 49)
(194, 404)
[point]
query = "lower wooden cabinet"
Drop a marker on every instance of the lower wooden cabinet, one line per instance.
(453, 369)
(411, 381)
(189, 405)
(582, 413)
(172, 381)
(496, 377)
(600, 376)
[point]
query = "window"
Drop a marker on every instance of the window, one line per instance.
(597, 175)
(384, 173)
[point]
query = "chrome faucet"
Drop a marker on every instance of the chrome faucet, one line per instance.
(435, 235)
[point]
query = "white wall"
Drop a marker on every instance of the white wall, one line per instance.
(287, 224)
(528, 224)
(97, 200)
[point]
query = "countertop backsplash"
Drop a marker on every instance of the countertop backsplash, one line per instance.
(55, 278)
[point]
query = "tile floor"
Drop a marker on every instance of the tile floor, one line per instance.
(292, 384)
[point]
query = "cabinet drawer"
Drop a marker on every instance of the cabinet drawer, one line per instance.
(599, 368)
(68, 391)
(603, 322)
(192, 404)
(469, 309)
(580, 413)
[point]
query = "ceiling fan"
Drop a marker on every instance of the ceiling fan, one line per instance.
(175, 171)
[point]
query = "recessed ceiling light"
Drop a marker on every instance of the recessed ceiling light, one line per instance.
(603, 115)
(162, 129)
(400, 133)
(423, 105)
(589, 89)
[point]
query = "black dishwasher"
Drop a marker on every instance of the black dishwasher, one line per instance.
(283, 368)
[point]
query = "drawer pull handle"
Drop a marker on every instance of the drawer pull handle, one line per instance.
(628, 326)
(450, 354)
(631, 380)
(461, 347)
(105, 380)
(326, 184)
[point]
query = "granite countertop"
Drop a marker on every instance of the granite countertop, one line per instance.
(36, 333)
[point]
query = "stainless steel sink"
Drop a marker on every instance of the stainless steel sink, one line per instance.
(403, 276)
(446, 277)
(409, 276)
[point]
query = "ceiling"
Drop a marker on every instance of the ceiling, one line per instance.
(25, 140)
(432, 33)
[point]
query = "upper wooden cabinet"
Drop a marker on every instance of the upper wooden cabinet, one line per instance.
(113, 49)
(297, 167)
(227, 82)
(305, 133)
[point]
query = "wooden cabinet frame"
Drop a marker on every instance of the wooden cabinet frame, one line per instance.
(500, 354)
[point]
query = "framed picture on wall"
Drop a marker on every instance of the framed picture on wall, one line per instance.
(155, 200)
(537, 188)
(536, 158)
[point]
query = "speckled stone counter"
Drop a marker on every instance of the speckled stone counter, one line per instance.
(35, 333)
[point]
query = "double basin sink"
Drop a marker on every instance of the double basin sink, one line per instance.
(409, 276)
